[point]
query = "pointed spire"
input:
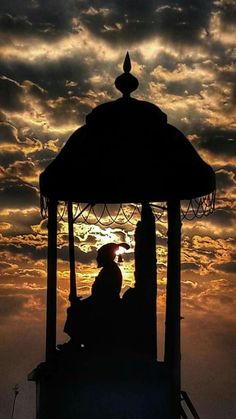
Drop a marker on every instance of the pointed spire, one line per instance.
(126, 82)
(127, 64)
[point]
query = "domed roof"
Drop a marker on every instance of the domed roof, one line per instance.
(127, 152)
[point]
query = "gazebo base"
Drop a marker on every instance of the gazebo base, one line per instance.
(102, 389)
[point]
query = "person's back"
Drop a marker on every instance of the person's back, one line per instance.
(107, 285)
(95, 321)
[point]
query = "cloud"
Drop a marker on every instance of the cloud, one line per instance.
(227, 10)
(218, 141)
(11, 305)
(23, 300)
(32, 106)
(20, 169)
(223, 21)
(16, 194)
(15, 140)
(115, 22)
(6, 265)
(10, 99)
(184, 79)
(126, 22)
(225, 179)
(80, 256)
(24, 170)
(15, 26)
(202, 254)
(8, 133)
(35, 19)
(9, 157)
(185, 266)
(35, 248)
(19, 221)
(223, 217)
(228, 267)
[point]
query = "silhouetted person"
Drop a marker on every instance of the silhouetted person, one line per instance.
(95, 322)
(107, 285)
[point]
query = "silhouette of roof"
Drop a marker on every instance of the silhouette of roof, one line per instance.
(127, 152)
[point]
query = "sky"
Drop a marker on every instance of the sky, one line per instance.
(59, 60)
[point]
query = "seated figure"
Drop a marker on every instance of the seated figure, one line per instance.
(95, 322)
(108, 283)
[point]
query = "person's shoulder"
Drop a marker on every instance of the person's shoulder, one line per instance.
(115, 266)
(118, 270)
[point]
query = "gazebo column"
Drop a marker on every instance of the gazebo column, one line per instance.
(146, 283)
(73, 292)
(51, 281)
(173, 300)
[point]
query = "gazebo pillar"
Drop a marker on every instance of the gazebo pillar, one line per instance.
(73, 292)
(146, 283)
(51, 280)
(173, 300)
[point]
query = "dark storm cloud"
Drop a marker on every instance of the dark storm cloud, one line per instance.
(37, 253)
(17, 194)
(18, 25)
(185, 266)
(223, 73)
(43, 158)
(8, 133)
(227, 9)
(10, 98)
(43, 19)
(227, 267)
(81, 257)
(181, 88)
(218, 141)
(14, 144)
(20, 222)
(40, 252)
(25, 249)
(43, 86)
(34, 90)
(129, 21)
(13, 92)
(13, 141)
(53, 76)
(226, 179)
(161, 241)
(45, 155)
(223, 217)
(66, 110)
(123, 21)
(7, 158)
(24, 170)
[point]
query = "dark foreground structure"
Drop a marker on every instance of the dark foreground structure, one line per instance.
(133, 156)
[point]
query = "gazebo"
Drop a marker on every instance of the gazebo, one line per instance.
(126, 153)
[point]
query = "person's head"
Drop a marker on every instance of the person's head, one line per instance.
(107, 253)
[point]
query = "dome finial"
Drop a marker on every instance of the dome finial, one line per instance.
(126, 82)
(127, 64)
